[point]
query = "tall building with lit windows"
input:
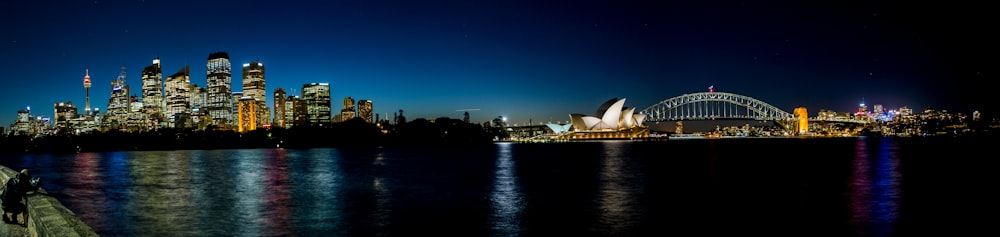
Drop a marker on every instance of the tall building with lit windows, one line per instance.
(119, 104)
(219, 81)
(177, 91)
(152, 91)
(247, 115)
(65, 112)
(317, 101)
(365, 110)
(347, 113)
(279, 108)
(254, 87)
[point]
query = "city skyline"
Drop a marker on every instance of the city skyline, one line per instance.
(523, 60)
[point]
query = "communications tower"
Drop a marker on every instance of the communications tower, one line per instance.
(86, 87)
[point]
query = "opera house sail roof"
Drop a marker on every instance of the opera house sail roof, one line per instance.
(610, 116)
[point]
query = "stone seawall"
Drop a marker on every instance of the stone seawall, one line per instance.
(47, 216)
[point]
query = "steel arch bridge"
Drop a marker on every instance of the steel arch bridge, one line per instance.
(714, 105)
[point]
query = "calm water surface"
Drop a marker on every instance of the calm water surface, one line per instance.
(709, 187)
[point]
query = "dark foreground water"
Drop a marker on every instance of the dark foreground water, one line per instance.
(709, 187)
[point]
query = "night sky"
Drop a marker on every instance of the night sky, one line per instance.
(538, 60)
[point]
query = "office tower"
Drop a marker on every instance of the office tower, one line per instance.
(118, 104)
(365, 110)
(219, 104)
(254, 87)
(152, 91)
(86, 88)
(279, 107)
(247, 115)
(64, 113)
(317, 101)
(299, 111)
(178, 96)
(347, 113)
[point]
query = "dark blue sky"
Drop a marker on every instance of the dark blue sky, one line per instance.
(539, 60)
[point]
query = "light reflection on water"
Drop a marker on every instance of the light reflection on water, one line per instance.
(613, 188)
(506, 195)
(616, 199)
(875, 188)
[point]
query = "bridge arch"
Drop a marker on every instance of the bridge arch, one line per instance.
(713, 105)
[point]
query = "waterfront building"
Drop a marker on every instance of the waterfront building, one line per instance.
(347, 113)
(247, 115)
(118, 104)
(317, 102)
(611, 121)
(365, 111)
(178, 97)
(235, 100)
(279, 108)
(299, 111)
(152, 91)
(254, 87)
(65, 112)
(24, 123)
(219, 102)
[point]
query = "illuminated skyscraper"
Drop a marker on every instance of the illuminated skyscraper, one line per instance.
(254, 87)
(152, 91)
(64, 113)
(365, 110)
(279, 107)
(317, 100)
(178, 96)
(247, 115)
(118, 104)
(347, 113)
(219, 104)
(86, 87)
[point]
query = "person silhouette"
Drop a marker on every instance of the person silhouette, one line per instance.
(14, 191)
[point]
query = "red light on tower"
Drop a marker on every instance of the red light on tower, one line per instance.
(86, 79)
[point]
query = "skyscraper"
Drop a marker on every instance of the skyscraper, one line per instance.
(279, 108)
(347, 113)
(152, 91)
(118, 104)
(317, 101)
(253, 86)
(247, 115)
(65, 112)
(178, 96)
(219, 83)
(365, 110)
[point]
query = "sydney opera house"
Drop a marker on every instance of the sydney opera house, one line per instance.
(611, 121)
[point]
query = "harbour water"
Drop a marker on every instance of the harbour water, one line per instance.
(855, 186)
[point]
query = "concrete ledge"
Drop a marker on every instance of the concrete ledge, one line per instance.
(47, 216)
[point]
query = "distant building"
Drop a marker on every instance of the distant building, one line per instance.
(247, 114)
(279, 108)
(235, 100)
(152, 91)
(365, 110)
(219, 104)
(254, 87)
(24, 123)
(118, 104)
(317, 102)
(347, 113)
(178, 97)
(65, 112)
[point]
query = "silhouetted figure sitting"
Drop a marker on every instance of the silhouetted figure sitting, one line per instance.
(14, 191)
